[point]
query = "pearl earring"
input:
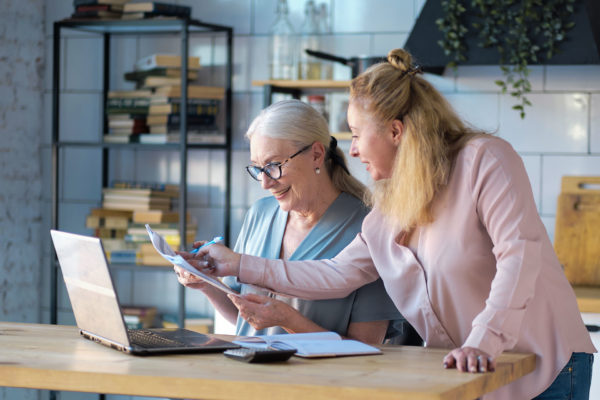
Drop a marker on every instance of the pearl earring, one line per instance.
(318, 170)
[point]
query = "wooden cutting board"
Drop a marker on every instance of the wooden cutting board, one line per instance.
(577, 233)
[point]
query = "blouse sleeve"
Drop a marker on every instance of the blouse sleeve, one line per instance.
(318, 279)
(506, 208)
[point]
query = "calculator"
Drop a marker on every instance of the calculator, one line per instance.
(249, 355)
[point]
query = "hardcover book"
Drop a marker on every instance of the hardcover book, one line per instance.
(165, 60)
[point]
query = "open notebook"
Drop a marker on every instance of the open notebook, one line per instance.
(310, 345)
(96, 305)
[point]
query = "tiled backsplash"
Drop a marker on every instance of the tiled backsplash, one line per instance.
(560, 134)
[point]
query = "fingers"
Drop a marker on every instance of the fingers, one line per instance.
(255, 298)
(469, 360)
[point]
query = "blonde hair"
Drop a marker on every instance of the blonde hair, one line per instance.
(433, 134)
(301, 124)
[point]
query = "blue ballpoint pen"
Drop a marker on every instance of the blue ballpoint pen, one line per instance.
(216, 239)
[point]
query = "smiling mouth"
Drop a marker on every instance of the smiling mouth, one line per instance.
(279, 194)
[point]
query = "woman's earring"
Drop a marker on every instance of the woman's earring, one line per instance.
(318, 170)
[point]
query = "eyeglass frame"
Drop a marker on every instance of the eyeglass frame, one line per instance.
(263, 170)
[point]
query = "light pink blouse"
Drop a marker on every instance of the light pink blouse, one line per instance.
(484, 274)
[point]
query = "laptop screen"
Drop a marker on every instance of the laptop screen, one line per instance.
(90, 287)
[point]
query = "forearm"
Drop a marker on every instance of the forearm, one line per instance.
(222, 304)
(368, 332)
(298, 323)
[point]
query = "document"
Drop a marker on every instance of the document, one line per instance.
(163, 248)
(310, 345)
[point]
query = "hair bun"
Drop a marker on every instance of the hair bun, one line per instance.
(400, 59)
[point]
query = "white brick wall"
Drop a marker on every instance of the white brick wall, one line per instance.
(21, 124)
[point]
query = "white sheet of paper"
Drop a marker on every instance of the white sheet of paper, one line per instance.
(163, 248)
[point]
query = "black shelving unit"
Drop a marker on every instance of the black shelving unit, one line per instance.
(114, 28)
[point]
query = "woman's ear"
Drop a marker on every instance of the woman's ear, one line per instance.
(397, 131)
(318, 153)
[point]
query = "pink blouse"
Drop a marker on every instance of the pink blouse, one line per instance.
(484, 274)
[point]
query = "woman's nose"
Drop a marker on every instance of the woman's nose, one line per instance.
(266, 181)
(353, 150)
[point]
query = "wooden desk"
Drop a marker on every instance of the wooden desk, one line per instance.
(57, 358)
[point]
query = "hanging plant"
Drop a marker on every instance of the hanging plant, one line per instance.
(523, 32)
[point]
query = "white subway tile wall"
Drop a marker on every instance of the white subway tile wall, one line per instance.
(560, 134)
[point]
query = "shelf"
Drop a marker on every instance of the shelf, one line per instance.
(108, 29)
(145, 146)
(304, 84)
(141, 26)
(342, 135)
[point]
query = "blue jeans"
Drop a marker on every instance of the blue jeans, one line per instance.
(573, 382)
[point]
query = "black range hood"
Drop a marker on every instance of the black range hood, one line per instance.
(581, 45)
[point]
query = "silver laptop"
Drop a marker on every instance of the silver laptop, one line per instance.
(96, 305)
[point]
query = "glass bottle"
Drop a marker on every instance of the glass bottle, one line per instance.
(309, 67)
(282, 49)
(318, 103)
(325, 29)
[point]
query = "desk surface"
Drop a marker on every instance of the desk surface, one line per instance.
(57, 358)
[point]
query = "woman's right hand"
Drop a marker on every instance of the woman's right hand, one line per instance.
(221, 260)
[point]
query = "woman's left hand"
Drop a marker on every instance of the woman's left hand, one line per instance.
(469, 359)
(261, 311)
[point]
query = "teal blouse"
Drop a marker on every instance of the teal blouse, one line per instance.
(262, 235)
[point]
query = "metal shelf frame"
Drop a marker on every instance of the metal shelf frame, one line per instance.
(108, 29)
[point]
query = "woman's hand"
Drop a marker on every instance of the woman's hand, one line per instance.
(469, 359)
(262, 311)
(190, 280)
(221, 260)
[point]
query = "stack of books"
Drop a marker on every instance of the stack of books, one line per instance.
(193, 323)
(133, 199)
(98, 9)
(126, 207)
(203, 107)
(164, 223)
(138, 317)
(161, 74)
(153, 9)
(126, 112)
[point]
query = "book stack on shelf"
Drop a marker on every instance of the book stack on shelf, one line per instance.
(126, 111)
(193, 323)
(98, 9)
(138, 317)
(153, 9)
(137, 233)
(161, 73)
(126, 208)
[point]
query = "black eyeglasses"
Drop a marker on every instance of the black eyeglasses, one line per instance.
(272, 169)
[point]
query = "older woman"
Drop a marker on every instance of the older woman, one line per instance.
(315, 210)
(454, 234)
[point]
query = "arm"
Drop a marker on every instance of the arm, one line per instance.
(218, 298)
(504, 202)
(315, 279)
(263, 312)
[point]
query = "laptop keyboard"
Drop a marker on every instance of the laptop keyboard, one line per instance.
(149, 339)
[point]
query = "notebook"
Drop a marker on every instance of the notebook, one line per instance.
(96, 305)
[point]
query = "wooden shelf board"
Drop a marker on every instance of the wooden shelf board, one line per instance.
(342, 135)
(305, 84)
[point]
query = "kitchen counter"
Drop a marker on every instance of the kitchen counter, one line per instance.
(588, 299)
